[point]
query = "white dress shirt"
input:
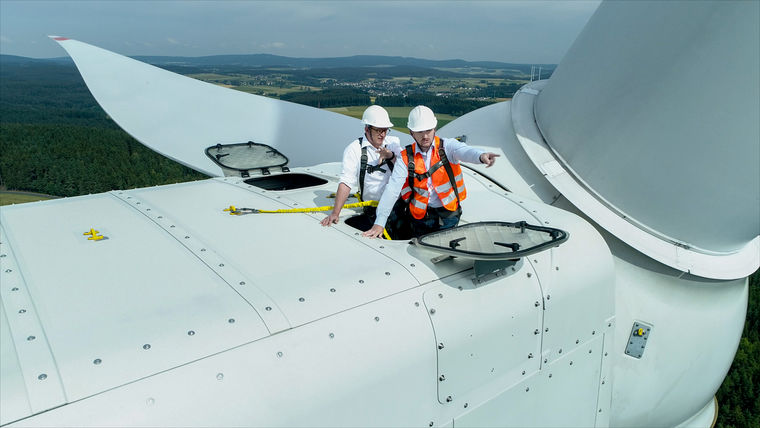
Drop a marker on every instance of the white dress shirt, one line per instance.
(456, 152)
(375, 182)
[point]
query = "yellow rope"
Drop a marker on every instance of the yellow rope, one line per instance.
(239, 211)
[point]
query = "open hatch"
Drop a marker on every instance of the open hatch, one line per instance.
(247, 158)
(492, 240)
(493, 245)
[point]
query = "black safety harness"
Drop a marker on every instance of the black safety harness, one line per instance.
(364, 168)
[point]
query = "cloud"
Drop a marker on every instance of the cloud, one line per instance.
(172, 41)
(272, 45)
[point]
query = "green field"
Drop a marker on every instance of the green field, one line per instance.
(9, 198)
(398, 115)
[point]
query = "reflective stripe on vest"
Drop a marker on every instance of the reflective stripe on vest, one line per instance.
(441, 183)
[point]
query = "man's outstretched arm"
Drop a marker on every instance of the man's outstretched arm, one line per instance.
(340, 199)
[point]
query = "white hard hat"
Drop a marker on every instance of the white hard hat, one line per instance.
(376, 116)
(421, 118)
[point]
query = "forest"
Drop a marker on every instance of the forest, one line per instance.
(55, 139)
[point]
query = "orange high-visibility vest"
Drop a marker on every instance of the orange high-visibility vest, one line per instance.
(442, 184)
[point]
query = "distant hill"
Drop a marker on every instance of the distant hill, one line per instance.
(267, 60)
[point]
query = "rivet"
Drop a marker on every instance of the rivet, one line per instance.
(377, 318)
(241, 282)
(43, 376)
(332, 335)
(571, 363)
(536, 304)
(546, 360)
(14, 289)
(449, 399)
(576, 341)
(382, 246)
(430, 424)
(147, 209)
(600, 410)
(412, 265)
(187, 237)
(548, 297)
(593, 332)
(535, 331)
(535, 261)
(529, 274)
(440, 295)
(219, 376)
(550, 375)
(203, 249)
(22, 311)
(191, 333)
(332, 290)
(605, 354)
(546, 330)
(171, 225)
(441, 378)
(2, 255)
(556, 268)
(301, 299)
(560, 350)
(546, 222)
(160, 216)
(440, 345)
(279, 354)
(97, 361)
(387, 273)
(589, 351)
(465, 405)
(146, 346)
(138, 203)
(527, 389)
(150, 401)
(432, 311)
(231, 320)
(530, 355)
(523, 372)
(221, 264)
(30, 338)
(417, 304)
(268, 308)
(8, 270)
(602, 382)
(361, 281)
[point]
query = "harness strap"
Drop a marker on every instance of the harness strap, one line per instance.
(362, 169)
(410, 168)
(449, 171)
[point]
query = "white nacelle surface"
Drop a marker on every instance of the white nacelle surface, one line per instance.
(329, 328)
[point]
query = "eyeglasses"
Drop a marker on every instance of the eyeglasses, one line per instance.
(379, 130)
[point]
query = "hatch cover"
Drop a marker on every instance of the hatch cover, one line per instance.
(247, 157)
(492, 240)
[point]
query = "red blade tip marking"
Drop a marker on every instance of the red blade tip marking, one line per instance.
(60, 39)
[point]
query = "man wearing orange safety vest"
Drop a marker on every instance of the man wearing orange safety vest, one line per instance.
(431, 186)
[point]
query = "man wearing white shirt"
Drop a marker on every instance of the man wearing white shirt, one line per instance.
(376, 150)
(433, 194)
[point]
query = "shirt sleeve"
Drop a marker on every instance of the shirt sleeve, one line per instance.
(458, 151)
(393, 144)
(391, 192)
(351, 159)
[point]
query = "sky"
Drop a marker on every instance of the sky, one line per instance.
(531, 32)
